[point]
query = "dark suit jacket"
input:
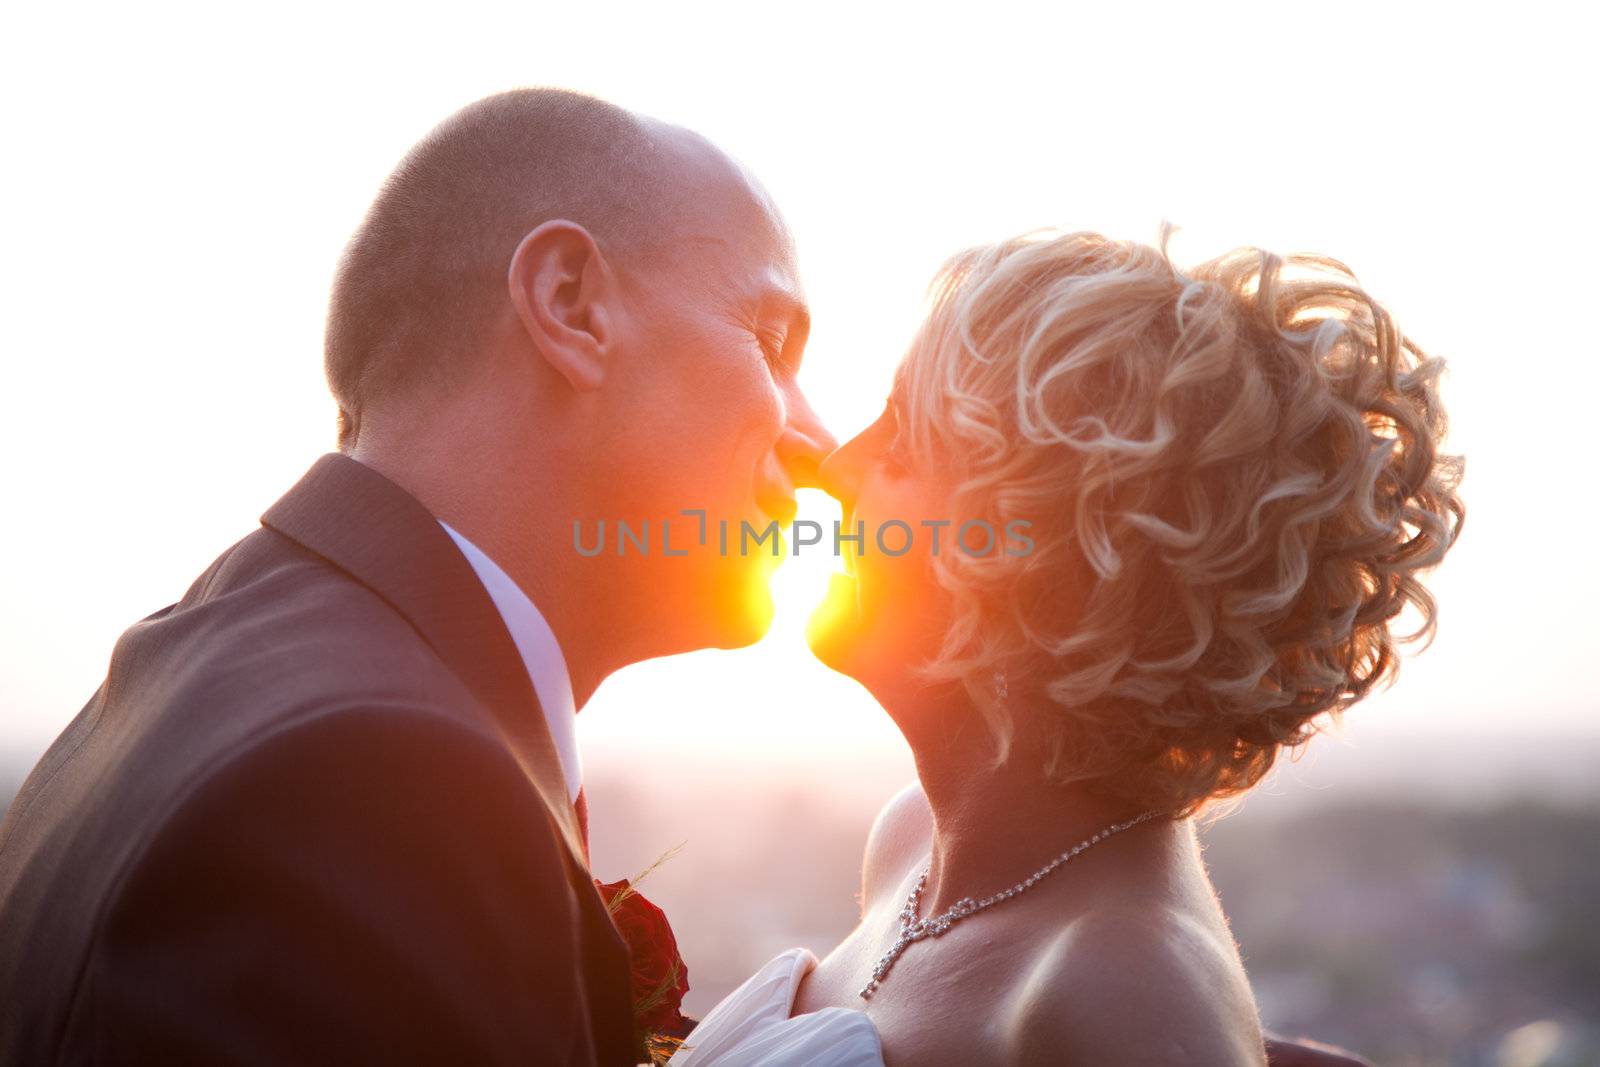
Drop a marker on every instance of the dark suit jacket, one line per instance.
(314, 815)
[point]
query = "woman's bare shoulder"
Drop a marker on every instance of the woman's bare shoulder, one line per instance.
(900, 837)
(1137, 986)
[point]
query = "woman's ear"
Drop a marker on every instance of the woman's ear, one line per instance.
(562, 289)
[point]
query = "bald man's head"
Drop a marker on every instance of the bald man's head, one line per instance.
(557, 311)
(425, 274)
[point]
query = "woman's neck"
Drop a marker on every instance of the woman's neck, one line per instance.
(995, 826)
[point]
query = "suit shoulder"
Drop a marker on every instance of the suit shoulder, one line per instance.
(270, 632)
(388, 793)
(269, 587)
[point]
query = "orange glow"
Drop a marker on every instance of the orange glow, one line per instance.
(193, 408)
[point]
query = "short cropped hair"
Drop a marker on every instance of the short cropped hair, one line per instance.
(1234, 478)
(426, 271)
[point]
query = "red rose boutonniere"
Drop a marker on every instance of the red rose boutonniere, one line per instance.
(659, 977)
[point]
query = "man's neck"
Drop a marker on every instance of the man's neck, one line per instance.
(524, 525)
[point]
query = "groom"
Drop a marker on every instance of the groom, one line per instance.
(328, 807)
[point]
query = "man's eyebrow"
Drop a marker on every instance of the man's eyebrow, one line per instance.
(779, 302)
(782, 302)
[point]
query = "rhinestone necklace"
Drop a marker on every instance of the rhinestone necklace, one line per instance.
(915, 928)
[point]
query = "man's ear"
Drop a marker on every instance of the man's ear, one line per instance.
(562, 289)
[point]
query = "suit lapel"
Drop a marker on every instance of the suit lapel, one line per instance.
(381, 536)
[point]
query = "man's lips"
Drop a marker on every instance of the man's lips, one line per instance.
(781, 508)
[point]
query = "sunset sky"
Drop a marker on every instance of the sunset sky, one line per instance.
(181, 180)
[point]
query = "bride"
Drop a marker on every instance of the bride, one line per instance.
(1126, 533)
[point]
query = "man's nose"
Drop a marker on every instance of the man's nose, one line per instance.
(841, 473)
(830, 475)
(804, 444)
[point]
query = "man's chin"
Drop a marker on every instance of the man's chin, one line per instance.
(834, 625)
(743, 618)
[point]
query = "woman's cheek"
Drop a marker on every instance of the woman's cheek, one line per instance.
(896, 557)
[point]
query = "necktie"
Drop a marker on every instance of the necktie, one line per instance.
(581, 805)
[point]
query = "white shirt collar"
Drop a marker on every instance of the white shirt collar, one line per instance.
(541, 655)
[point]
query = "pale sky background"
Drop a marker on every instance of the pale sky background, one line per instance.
(179, 181)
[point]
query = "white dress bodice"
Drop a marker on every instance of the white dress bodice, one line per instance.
(752, 1026)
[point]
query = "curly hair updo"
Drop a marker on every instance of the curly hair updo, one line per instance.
(1234, 481)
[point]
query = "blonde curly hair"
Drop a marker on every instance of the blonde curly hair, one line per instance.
(1234, 481)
